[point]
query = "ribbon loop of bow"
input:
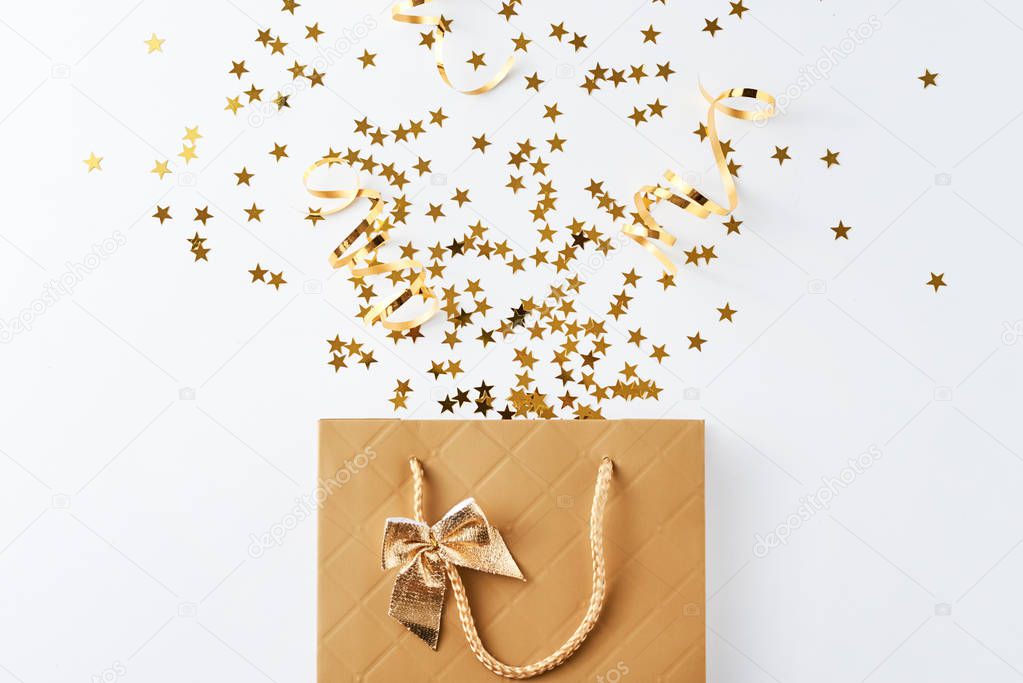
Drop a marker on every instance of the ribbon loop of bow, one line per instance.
(463, 537)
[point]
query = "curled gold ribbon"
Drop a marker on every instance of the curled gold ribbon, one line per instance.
(648, 232)
(362, 260)
(464, 537)
(398, 13)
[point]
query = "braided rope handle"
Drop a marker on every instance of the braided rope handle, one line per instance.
(599, 588)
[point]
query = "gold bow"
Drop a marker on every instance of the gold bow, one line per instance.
(462, 537)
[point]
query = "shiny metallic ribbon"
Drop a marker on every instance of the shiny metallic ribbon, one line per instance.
(648, 232)
(398, 14)
(462, 537)
(361, 260)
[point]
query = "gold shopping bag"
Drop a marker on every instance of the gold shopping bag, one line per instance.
(502, 500)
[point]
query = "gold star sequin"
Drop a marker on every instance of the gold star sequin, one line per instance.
(93, 163)
(841, 231)
(202, 215)
(368, 59)
(552, 112)
(279, 151)
(154, 44)
(929, 79)
(732, 225)
(480, 143)
(254, 213)
(162, 213)
(160, 168)
(781, 154)
(188, 152)
(258, 273)
(437, 117)
(937, 281)
(738, 8)
(711, 26)
(830, 158)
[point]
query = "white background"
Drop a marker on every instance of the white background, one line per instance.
(163, 412)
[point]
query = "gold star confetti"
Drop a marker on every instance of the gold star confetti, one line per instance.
(732, 226)
(162, 214)
(841, 231)
(781, 154)
(160, 168)
(93, 163)
(188, 153)
(154, 44)
(198, 248)
(202, 215)
(258, 273)
(552, 328)
(929, 79)
(650, 34)
(937, 281)
(638, 116)
(279, 151)
(368, 59)
(830, 158)
(480, 143)
(238, 69)
(254, 213)
(476, 60)
(737, 9)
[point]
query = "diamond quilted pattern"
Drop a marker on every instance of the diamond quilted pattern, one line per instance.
(535, 481)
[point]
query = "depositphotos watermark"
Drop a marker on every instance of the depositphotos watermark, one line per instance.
(820, 69)
(1012, 332)
(819, 500)
(61, 287)
(306, 506)
(614, 674)
(112, 673)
